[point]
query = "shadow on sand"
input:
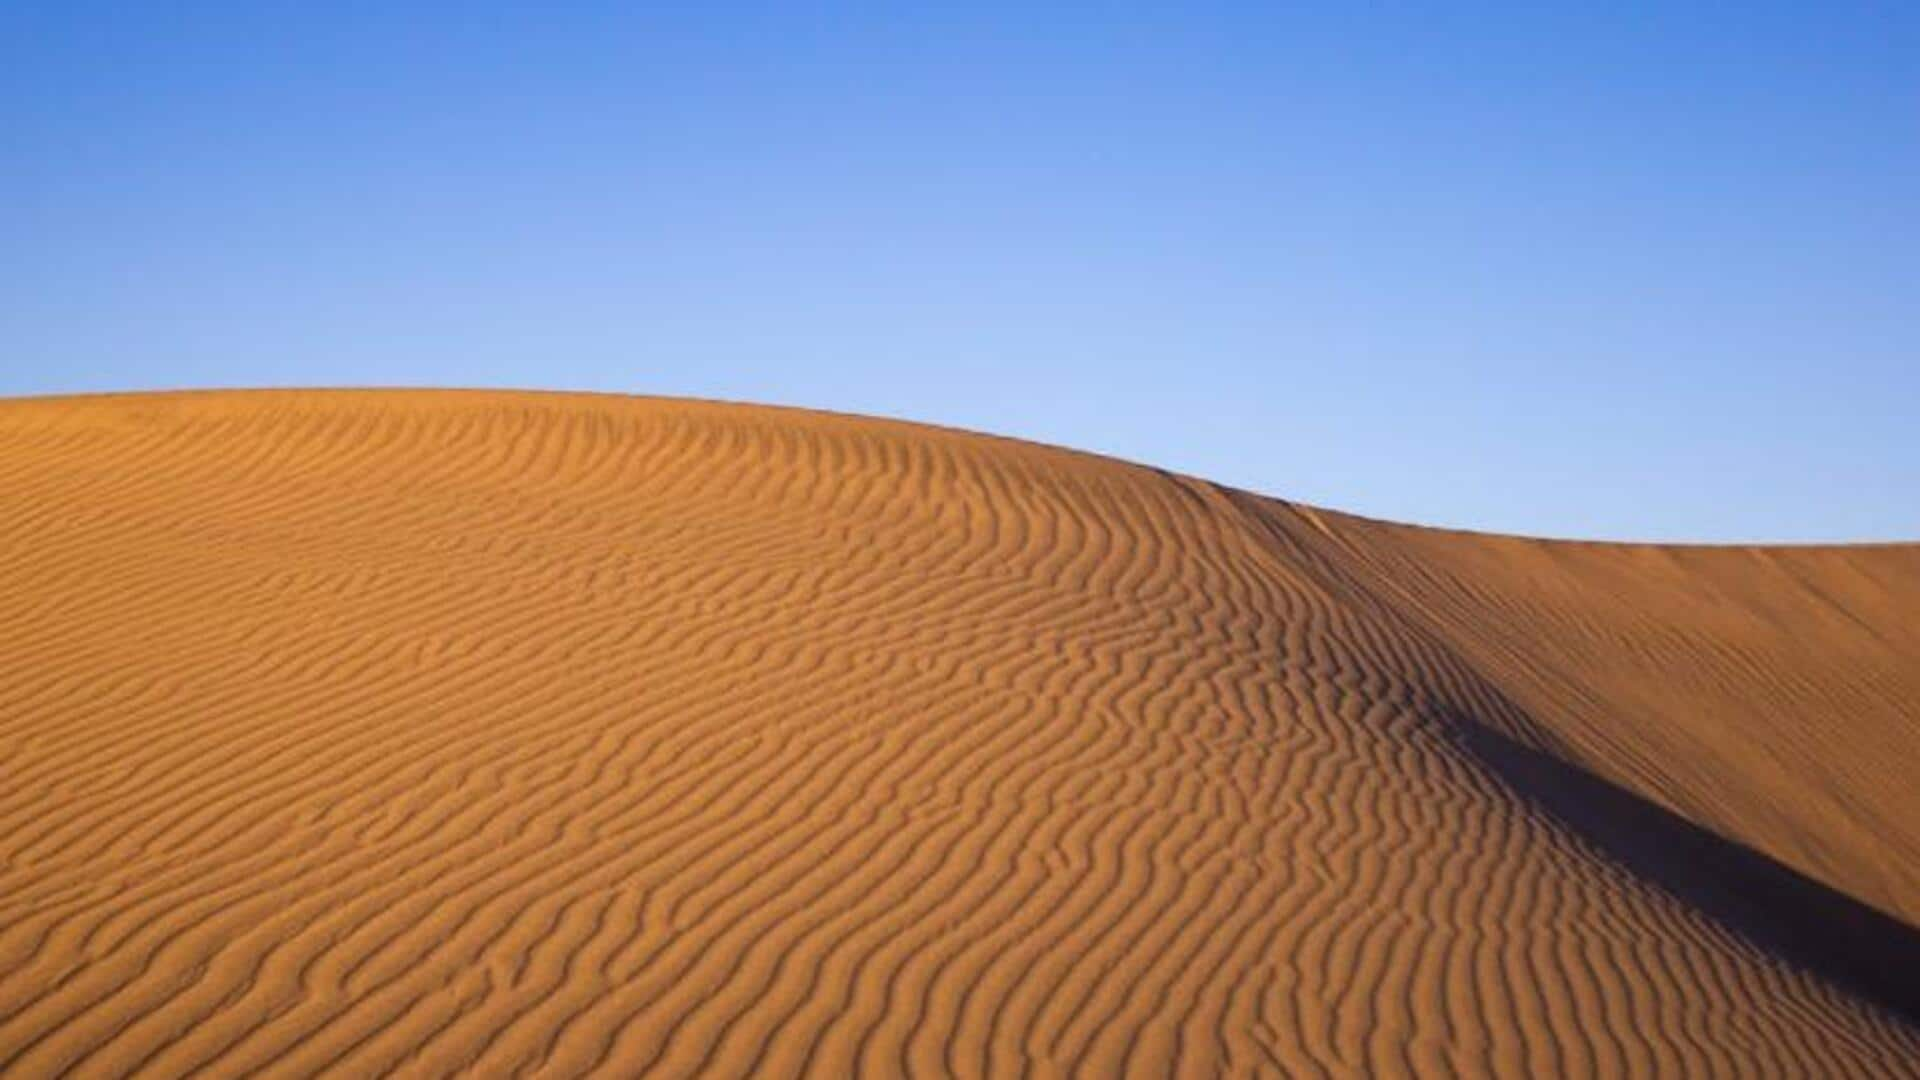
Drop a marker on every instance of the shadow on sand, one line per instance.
(1778, 908)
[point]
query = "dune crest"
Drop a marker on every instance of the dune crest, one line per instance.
(430, 731)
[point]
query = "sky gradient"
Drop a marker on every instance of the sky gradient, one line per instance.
(1630, 271)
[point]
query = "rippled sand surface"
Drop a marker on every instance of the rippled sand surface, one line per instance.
(496, 733)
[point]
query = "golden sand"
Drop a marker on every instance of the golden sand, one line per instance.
(429, 732)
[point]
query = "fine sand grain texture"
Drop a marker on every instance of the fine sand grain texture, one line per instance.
(437, 732)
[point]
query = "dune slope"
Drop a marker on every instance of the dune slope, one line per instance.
(1766, 692)
(430, 732)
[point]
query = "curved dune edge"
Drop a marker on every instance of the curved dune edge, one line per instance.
(428, 731)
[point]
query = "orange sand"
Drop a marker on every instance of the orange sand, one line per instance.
(359, 732)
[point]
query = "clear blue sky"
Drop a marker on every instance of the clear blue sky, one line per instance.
(1627, 270)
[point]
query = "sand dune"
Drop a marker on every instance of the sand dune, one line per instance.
(359, 732)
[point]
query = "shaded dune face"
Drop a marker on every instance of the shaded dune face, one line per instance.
(1768, 693)
(430, 732)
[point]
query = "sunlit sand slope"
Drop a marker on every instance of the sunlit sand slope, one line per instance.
(429, 732)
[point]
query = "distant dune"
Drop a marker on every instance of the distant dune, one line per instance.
(428, 732)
